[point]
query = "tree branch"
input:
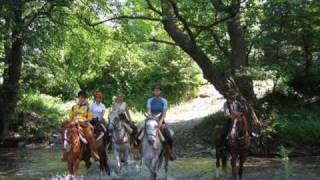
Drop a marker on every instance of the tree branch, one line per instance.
(163, 41)
(218, 42)
(127, 17)
(183, 21)
(29, 19)
(150, 6)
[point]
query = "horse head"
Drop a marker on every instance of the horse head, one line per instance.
(71, 136)
(151, 127)
(118, 129)
(238, 134)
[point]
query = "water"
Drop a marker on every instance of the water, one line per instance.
(46, 164)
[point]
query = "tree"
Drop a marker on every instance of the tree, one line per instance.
(186, 31)
(21, 19)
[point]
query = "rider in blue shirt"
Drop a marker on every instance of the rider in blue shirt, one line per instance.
(159, 105)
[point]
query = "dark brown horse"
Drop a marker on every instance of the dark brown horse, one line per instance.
(237, 142)
(102, 142)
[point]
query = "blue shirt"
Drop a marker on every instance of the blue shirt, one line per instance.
(157, 105)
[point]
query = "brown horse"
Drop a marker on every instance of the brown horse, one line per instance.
(237, 142)
(76, 149)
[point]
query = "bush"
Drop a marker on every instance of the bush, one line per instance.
(205, 129)
(38, 116)
(297, 126)
(308, 85)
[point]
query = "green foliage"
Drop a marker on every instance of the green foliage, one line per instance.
(306, 84)
(38, 116)
(205, 129)
(296, 126)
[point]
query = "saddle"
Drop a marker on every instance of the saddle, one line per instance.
(99, 129)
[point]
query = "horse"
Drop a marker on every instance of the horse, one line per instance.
(120, 135)
(102, 142)
(152, 148)
(238, 144)
(76, 148)
(221, 153)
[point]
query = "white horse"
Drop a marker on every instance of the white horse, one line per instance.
(120, 136)
(152, 149)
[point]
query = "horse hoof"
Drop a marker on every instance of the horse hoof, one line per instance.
(217, 173)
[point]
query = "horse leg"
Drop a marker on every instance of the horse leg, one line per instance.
(224, 159)
(126, 155)
(70, 169)
(118, 159)
(105, 162)
(242, 159)
(166, 164)
(76, 166)
(234, 166)
(217, 163)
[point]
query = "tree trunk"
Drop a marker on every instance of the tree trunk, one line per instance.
(307, 56)
(238, 58)
(10, 88)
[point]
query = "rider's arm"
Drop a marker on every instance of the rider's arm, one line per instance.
(226, 111)
(128, 113)
(103, 112)
(89, 115)
(149, 106)
(163, 116)
(71, 114)
(164, 111)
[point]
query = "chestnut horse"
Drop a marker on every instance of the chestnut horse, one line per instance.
(237, 142)
(76, 148)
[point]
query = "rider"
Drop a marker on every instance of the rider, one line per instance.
(81, 113)
(98, 109)
(159, 105)
(232, 108)
(121, 107)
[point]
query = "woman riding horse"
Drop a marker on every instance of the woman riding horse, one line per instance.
(100, 129)
(122, 108)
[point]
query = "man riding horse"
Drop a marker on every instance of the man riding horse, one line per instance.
(232, 108)
(159, 105)
(234, 136)
(81, 115)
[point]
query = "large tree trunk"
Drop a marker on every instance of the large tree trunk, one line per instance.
(10, 88)
(307, 55)
(239, 58)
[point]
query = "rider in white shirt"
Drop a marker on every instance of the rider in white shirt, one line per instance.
(98, 109)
